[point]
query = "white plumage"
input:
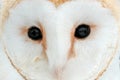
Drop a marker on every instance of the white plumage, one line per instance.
(59, 55)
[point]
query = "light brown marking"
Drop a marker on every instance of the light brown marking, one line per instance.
(24, 31)
(59, 2)
(71, 53)
(44, 36)
(43, 56)
(108, 63)
(43, 41)
(93, 31)
(4, 14)
(14, 66)
(36, 59)
(113, 6)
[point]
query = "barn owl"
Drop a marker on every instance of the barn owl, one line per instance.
(59, 40)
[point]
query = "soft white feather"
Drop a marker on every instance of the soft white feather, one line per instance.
(92, 53)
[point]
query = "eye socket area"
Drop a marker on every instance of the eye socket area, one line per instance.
(35, 33)
(82, 31)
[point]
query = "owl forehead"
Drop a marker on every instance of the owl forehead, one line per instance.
(56, 2)
(106, 3)
(8, 4)
(12, 3)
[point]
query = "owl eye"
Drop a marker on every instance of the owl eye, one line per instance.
(82, 31)
(35, 33)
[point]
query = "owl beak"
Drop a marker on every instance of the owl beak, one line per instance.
(57, 64)
(58, 72)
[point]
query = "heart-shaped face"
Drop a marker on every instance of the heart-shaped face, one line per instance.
(73, 41)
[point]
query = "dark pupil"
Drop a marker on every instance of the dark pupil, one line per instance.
(35, 33)
(82, 31)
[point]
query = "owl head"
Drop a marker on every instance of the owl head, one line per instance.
(60, 39)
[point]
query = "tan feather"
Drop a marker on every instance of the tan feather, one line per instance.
(114, 7)
(7, 5)
(58, 2)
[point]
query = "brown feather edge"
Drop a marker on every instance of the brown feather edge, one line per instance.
(113, 6)
(13, 65)
(100, 74)
(6, 6)
(58, 2)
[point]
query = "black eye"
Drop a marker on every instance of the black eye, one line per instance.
(35, 33)
(82, 31)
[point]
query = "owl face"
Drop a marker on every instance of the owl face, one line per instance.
(73, 41)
